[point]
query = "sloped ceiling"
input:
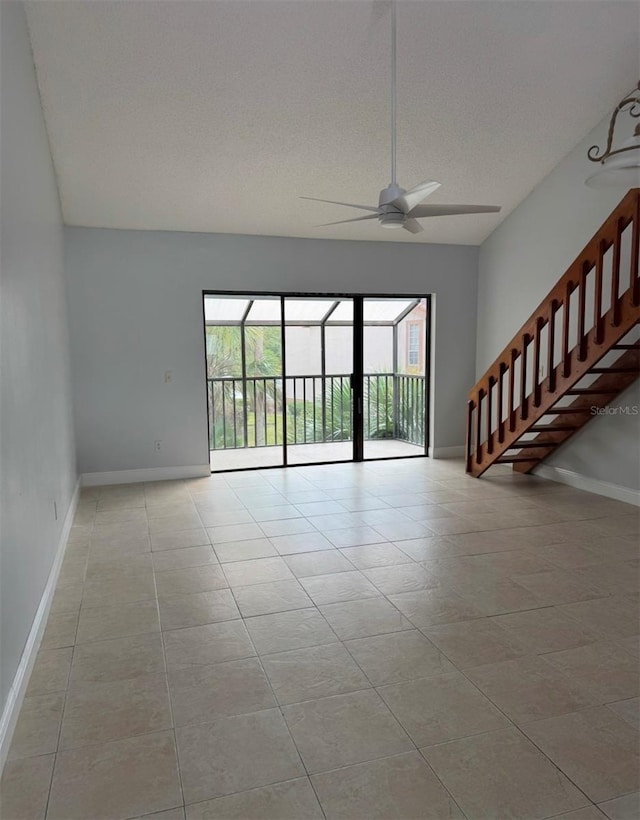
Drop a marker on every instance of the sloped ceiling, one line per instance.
(217, 116)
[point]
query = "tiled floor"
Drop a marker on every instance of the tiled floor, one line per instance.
(384, 640)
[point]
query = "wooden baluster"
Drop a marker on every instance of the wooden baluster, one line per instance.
(551, 373)
(536, 362)
(635, 253)
(566, 353)
(524, 402)
(597, 296)
(501, 371)
(489, 417)
(512, 390)
(615, 275)
(479, 427)
(470, 406)
(582, 310)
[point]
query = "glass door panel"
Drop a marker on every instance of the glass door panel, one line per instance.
(395, 350)
(244, 381)
(319, 365)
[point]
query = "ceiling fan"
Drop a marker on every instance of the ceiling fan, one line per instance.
(398, 208)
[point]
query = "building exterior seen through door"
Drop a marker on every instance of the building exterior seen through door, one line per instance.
(301, 379)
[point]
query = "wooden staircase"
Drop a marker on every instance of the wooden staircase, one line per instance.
(572, 357)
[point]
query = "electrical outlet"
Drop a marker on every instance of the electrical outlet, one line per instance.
(168, 376)
(157, 446)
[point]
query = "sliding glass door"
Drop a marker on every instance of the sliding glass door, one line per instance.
(297, 379)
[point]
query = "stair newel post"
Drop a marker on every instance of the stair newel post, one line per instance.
(479, 427)
(551, 338)
(582, 311)
(566, 316)
(512, 390)
(536, 362)
(615, 274)
(469, 460)
(597, 296)
(501, 370)
(524, 401)
(489, 416)
(635, 253)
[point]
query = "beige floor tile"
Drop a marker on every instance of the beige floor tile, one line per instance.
(275, 512)
(119, 587)
(628, 710)
(283, 631)
(586, 813)
(621, 578)
(313, 672)
(50, 671)
(121, 515)
(120, 544)
(245, 550)
(204, 693)
(110, 711)
(427, 548)
(136, 656)
(170, 814)
(292, 800)
(38, 725)
(257, 571)
(119, 621)
(613, 617)
(265, 599)
(60, 631)
(175, 523)
(546, 630)
(234, 532)
(355, 536)
(611, 672)
(570, 555)
(400, 531)
(322, 562)
(212, 643)
(294, 543)
(502, 775)
(428, 607)
(596, 749)
(558, 586)
(190, 579)
(181, 558)
(362, 619)
(622, 808)
(497, 597)
(338, 586)
(24, 788)
(235, 754)
(178, 611)
(472, 643)
(225, 517)
(344, 729)
(124, 778)
(441, 708)
(287, 526)
(179, 540)
(401, 578)
(530, 688)
(341, 521)
(375, 555)
(397, 787)
(398, 657)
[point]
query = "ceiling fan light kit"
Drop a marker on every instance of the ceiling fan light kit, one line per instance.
(619, 166)
(397, 207)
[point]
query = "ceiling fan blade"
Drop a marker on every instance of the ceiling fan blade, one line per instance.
(347, 204)
(413, 226)
(421, 211)
(415, 195)
(342, 221)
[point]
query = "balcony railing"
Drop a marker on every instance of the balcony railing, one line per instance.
(249, 412)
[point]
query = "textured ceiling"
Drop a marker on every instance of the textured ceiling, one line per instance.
(217, 116)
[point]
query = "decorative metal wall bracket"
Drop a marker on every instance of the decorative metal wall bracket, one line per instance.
(631, 105)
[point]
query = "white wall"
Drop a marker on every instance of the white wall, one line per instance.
(135, 301)
(518, 265)
(37, 460)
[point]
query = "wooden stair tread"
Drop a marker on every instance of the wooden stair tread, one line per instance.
(523, 445)
(553, 428)
(514, 459)
(588, 391)
(615, 370)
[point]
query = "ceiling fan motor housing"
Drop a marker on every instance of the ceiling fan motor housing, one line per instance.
(390, 215)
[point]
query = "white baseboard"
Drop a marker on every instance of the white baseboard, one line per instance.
(591, 485)
(21, 680)
(151, 474)
(447, 452)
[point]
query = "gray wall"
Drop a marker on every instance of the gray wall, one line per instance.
(518, 265)
(136, 311)
(37, 460)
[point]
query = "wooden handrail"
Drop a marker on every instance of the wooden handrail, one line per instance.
(527, 395)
